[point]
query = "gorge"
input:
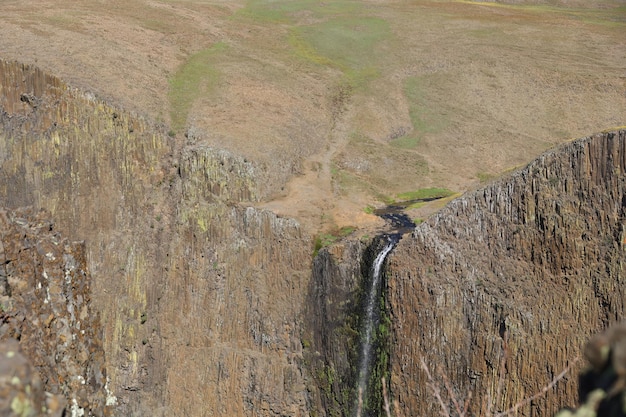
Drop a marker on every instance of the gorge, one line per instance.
(208, 305)
(498, 291)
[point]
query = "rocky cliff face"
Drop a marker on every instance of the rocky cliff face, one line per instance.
(200, 296)
(45, 294)
(334, 324)
(331, 339)
(527, 267)
(207, 306)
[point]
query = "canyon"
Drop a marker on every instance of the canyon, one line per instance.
(181, 268)
(158, 261)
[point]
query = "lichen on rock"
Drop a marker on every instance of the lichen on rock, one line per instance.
(47, 308)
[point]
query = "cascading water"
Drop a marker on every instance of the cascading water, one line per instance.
(371, 322)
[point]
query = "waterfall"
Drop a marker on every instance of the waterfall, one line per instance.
(372, 318)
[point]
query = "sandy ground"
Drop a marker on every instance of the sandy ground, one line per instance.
(496, 85)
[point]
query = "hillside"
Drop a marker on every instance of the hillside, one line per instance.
(343, 104)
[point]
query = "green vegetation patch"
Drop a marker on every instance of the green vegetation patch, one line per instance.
(426, 114)
(484, 177)
(195, 78)
(425, 193)
(347, 43)
(287, 11)
(158, 25)
(333, 34)
(326, 239)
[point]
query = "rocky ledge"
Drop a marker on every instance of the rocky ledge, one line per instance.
(51, 356)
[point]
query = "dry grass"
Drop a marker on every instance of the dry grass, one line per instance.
(437, 90)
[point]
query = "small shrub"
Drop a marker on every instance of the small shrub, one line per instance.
(346, 230)
(326, 239)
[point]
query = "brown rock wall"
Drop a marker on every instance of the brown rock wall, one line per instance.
(332, 327)
(535, 259)
(199, 296)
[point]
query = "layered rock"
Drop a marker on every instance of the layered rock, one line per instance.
(200, 296)
(527, 267)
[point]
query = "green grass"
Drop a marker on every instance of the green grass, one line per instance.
(425, 193)
(346, 230)
(195, 78)
(326, 239)
(425, 115)
(343, 36)
(157, 25)
(416, 205)
(284, 11)
(347, 43)
(407, 142)
(484, 177)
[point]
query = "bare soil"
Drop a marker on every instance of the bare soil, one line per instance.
(455, 93)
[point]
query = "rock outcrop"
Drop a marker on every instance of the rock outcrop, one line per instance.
(527, 267)
(332, 333)
(46, 295)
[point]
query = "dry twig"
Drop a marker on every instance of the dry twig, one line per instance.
(385, 398)
(445, 412)
(538, 394)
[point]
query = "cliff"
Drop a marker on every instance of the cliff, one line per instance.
(200, 296)
(332, 328)
(527, 267)
(208, 306)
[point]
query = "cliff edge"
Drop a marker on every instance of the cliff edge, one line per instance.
(521, 273)
(200, 294)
